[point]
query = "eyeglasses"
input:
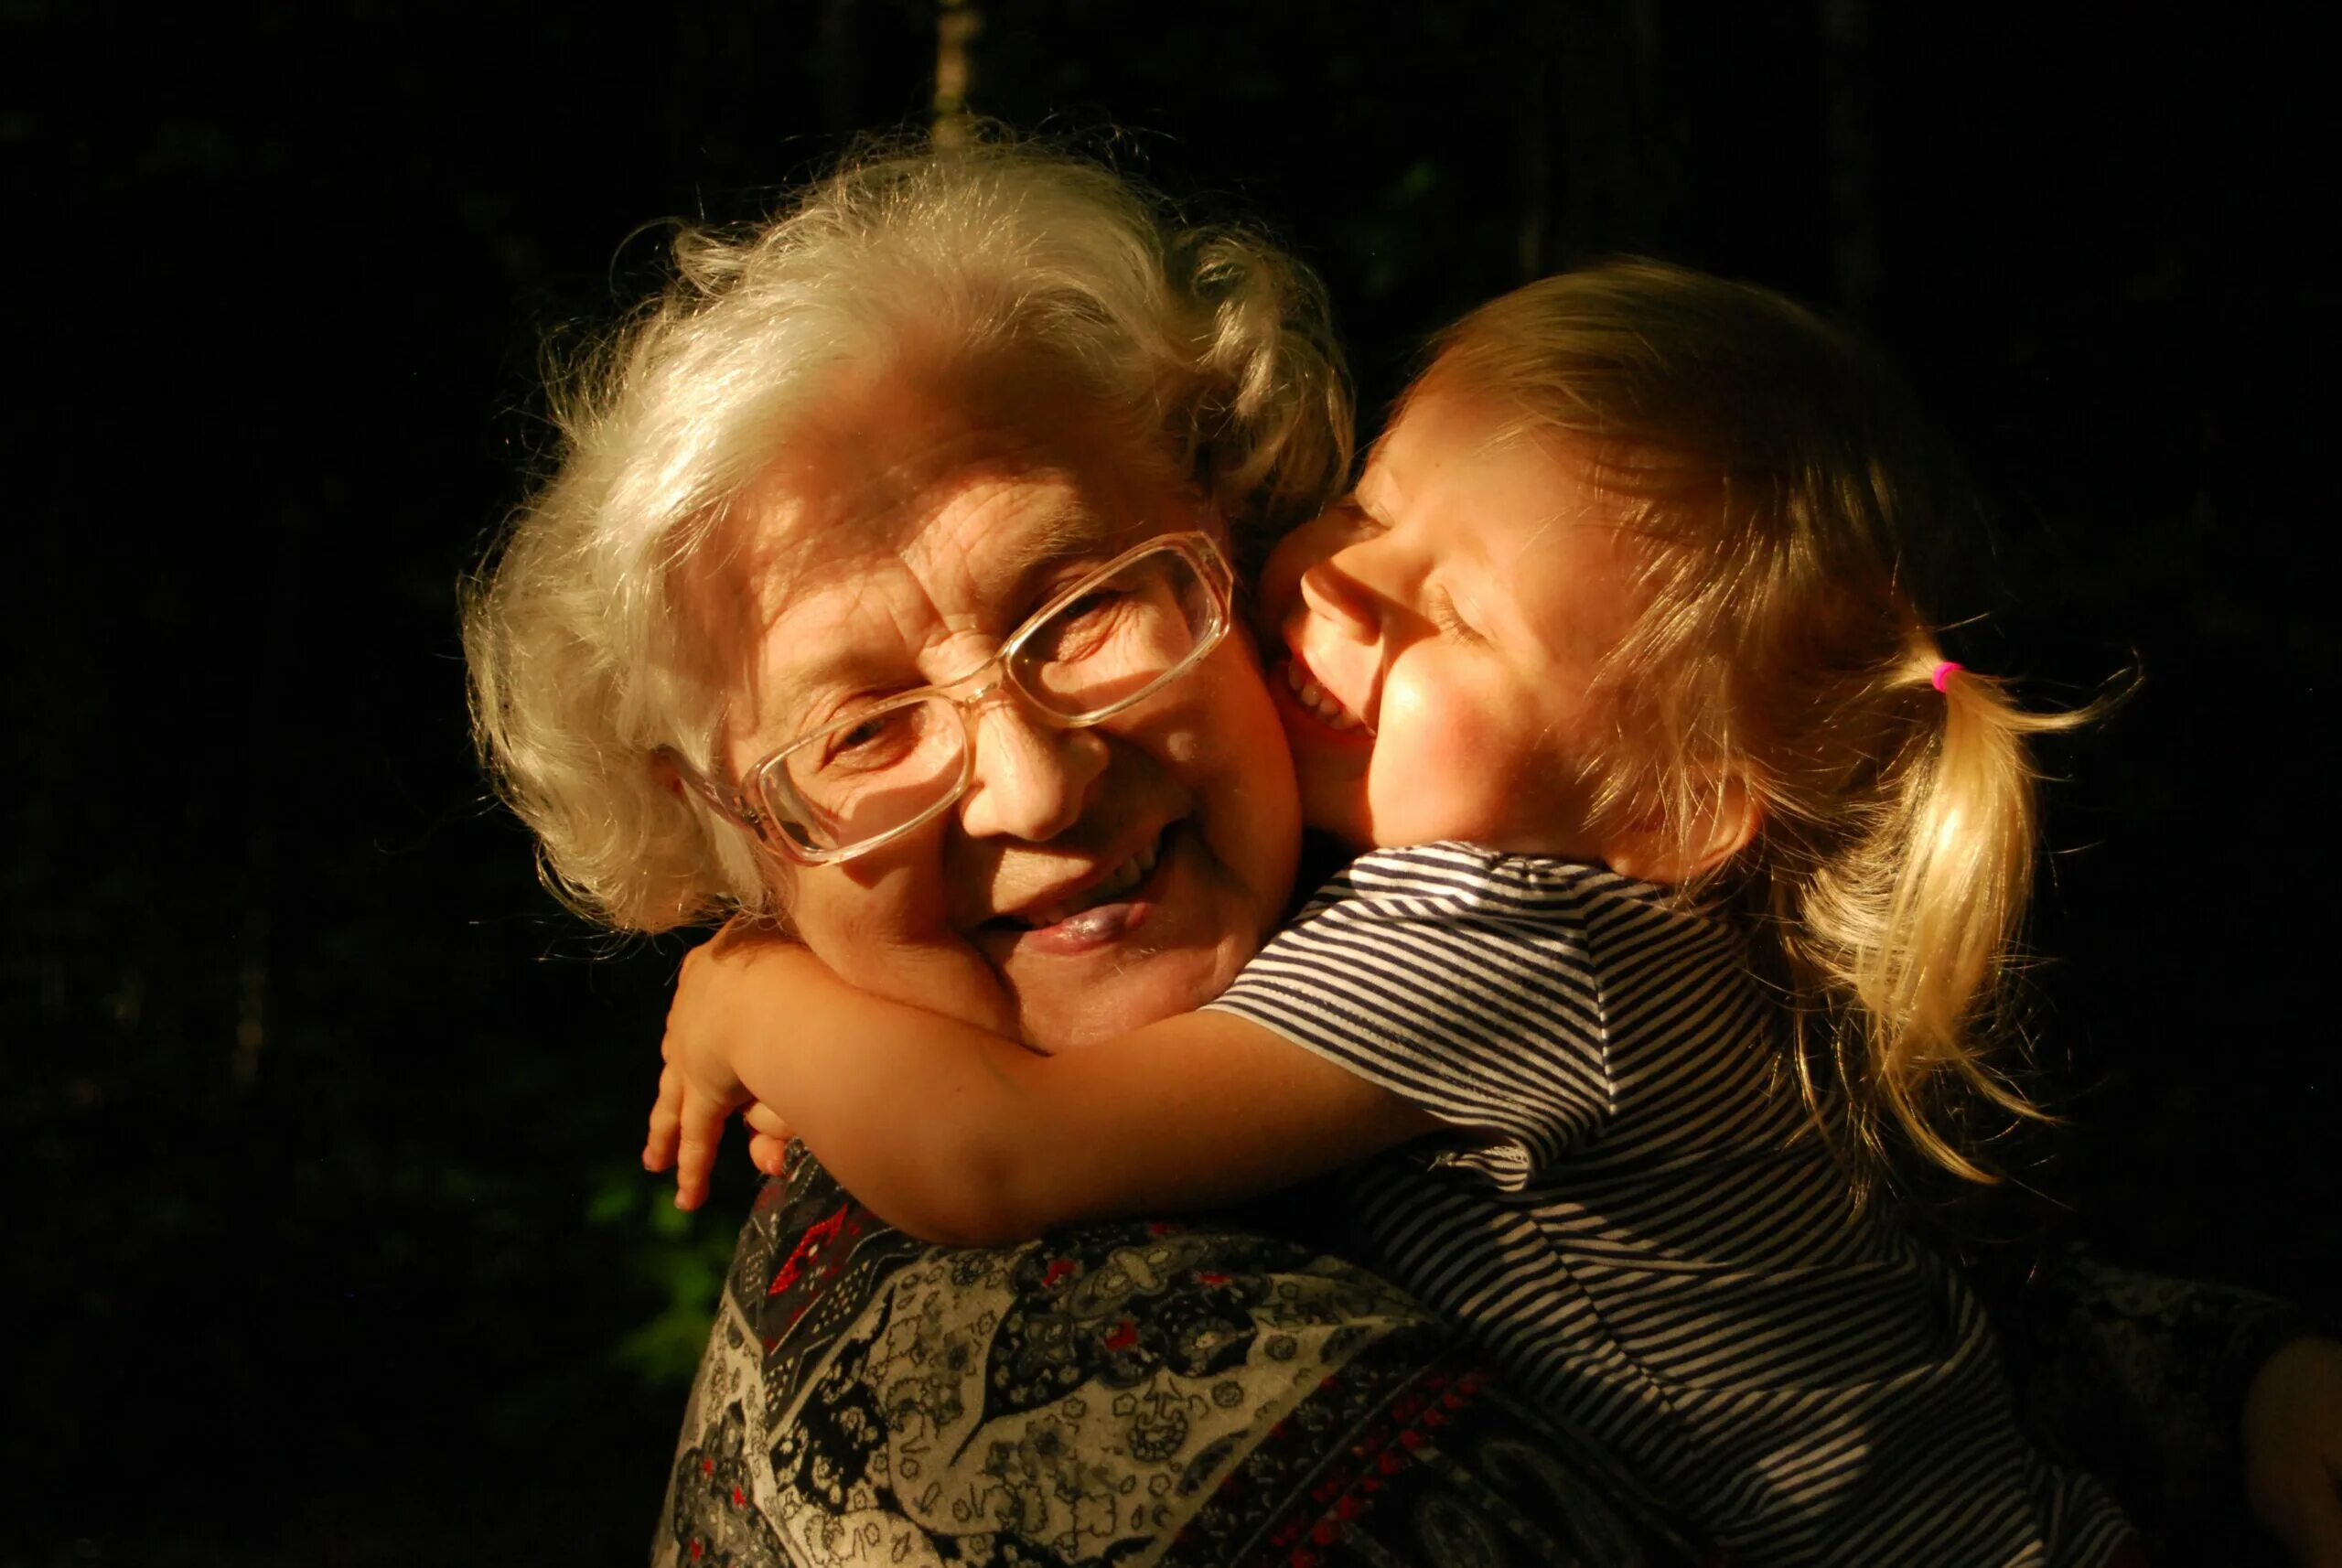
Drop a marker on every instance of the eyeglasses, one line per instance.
(1104, 645)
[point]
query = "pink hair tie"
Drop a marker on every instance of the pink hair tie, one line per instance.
(1942, 673)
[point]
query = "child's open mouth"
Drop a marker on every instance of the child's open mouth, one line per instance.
(1312, 698)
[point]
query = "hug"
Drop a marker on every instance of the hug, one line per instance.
(964, 577)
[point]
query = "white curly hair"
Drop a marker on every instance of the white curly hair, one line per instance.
(1209, 342)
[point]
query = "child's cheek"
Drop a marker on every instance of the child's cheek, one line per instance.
(1441, 731)
(1443, 763)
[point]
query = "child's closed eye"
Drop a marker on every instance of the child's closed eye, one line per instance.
(1355, 522)
(1449, 618)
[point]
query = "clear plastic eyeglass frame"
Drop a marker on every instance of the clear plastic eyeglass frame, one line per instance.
(761, 803)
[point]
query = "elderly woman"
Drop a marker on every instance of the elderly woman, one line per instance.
(852, 487)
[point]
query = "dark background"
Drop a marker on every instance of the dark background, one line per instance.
(319, 1118)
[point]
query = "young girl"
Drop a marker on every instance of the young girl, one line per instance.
(1675, 810)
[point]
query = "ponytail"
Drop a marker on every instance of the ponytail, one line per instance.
(1901, 930)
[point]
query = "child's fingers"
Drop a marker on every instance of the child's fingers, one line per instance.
(769, 1153)
(666, 1121)
(695, 1158)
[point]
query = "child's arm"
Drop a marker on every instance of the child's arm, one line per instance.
(955, 1135)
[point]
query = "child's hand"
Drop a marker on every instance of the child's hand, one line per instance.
(2293, 1449)
(713, 1017)
(687, 1123)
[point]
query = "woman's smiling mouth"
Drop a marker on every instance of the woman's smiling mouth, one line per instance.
(1122, 880)
(1092, 915)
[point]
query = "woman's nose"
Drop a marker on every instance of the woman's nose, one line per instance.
(1031, 779)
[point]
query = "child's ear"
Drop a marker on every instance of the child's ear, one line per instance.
(1647, 851)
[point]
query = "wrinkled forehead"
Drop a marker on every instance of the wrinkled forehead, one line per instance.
(904, 521)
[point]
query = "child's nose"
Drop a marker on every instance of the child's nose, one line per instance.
(1336, 597)
(1337, 531)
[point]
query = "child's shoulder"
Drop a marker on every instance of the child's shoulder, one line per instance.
(1458, 873)
(1455, 881)
(1555, 910)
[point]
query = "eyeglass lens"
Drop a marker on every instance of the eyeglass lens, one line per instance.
(1122, 637)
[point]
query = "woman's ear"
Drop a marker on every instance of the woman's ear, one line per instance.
(1647, 850)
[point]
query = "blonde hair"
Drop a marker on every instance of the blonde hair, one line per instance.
(1209, 346)
(1782, 494)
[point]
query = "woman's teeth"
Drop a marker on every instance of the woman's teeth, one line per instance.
(1124, 879)
(1314, 697)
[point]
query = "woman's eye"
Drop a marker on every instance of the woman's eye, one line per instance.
(1096, 602)
(869, 741)
(1082, 625)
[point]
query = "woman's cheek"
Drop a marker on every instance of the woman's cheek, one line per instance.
(1252, 799)
(883, 923)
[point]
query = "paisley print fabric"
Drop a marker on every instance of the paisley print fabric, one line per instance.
(1122, 1392)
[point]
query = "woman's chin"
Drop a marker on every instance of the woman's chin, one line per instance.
(1153, 987)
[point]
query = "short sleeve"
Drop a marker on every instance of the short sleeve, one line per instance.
(1463, 994)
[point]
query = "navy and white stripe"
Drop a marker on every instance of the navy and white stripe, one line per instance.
(1633, 1219)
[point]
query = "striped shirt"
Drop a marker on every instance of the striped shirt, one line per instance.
(1629, 1218)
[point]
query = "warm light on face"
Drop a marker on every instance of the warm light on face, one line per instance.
(1093, 813)
(854, 782)
(1444, 628)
